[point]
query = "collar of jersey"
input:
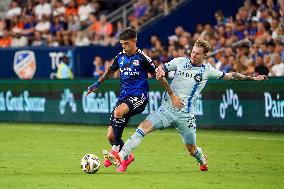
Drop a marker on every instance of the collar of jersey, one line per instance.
(193, 65)
(130, 55)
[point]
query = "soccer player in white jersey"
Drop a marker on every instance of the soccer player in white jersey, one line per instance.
(191, 75)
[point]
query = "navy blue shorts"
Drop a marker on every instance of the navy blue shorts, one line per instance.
(136, 105)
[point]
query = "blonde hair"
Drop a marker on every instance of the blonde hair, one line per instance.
(205, 45)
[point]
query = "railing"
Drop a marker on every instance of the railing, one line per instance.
(243, 41)
(121, 13)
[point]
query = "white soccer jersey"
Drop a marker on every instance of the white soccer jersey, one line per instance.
(189, 81)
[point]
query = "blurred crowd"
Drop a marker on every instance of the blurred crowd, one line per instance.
(250, 42)
(69, 22)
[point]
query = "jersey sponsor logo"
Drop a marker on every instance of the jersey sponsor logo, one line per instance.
(128, 71)
(198, 78)
(25, 64)
(185, 74)
(136, 62)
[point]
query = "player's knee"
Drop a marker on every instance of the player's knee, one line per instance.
(110, 137)
(118, 113)
(146, 126)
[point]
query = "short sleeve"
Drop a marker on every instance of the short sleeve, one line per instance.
(172, 65)
(213, 73)
(148, 64)
(115, 65)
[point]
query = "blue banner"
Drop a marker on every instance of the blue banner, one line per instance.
(43, 62)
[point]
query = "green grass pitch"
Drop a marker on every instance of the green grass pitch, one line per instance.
(37, 156)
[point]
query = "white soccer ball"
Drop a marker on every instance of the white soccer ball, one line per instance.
(90, 163)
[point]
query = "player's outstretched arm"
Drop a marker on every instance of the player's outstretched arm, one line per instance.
(238, 76)
(107, 74)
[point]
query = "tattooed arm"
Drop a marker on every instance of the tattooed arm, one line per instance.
(238, 76)
(108, 73)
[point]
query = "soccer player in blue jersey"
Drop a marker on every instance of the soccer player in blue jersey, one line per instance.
(191, 75)
(134, 66)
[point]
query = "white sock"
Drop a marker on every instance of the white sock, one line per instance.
(199, 156)
(115, 148)
(132, 143)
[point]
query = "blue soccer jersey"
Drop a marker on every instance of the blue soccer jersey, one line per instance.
(134, 71)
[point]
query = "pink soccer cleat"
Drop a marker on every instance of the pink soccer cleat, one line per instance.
(124, 164)
(110, 158)
(107, 163)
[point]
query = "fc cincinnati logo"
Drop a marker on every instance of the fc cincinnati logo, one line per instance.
(136, 62)
(25, 64)
(198, 78)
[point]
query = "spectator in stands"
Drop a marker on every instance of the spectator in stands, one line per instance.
(5, 39)
(51, 41)
(66, 39)
(73, 24)
(28, 9)
(19, 40)
(93, 24)
(211, 61)
(2, 26)
(224, 65)
(43, 25)
(58, 8)
(140, 8)
(71, 9)
(84, 10)
(56, 26)
(28, 26)
(220, 18)
(278, 67)
(99, 67)
(103, 27)
(37, 39)
(81, 39)
(43, 9)
(260, 67)
(118, 29)
(14, 10)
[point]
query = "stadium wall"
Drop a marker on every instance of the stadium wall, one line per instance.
(223, 104)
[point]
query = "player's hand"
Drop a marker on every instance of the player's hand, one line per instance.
(176, 101)
(160, 73)
(93, 87)
(260, 77)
